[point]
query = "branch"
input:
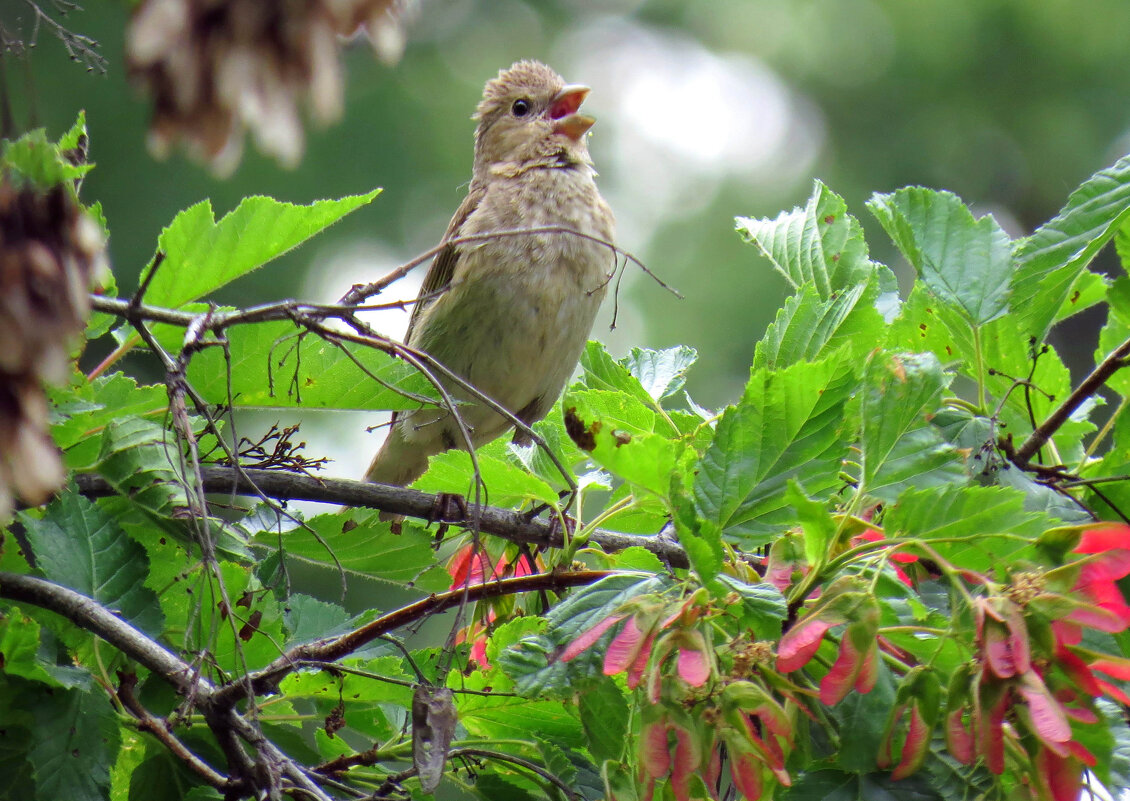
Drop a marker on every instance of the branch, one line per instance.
(505, 523)
(148, 722)
(334, 648)
(1090, 385)
(88, 614)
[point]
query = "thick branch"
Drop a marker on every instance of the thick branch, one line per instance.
(88, 614)
(510, 525)
(1089, 386)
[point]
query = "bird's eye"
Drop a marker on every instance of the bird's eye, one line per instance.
(521, 107)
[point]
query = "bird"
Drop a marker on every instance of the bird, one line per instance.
(510, 314)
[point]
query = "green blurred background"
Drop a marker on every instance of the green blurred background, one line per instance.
(706, 109)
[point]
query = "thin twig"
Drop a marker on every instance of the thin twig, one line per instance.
(1088, 387)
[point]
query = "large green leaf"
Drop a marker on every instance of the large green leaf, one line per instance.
(787, 426)
(662, 373)
(507, 484)
(975, 527)
(616, 430)
(899, 447)
(602, 372)
(820, 245)
(808, 327)
(19, 647)
(368, 549)
(202, 255)
(1052, 258)
(604, 715)
(83, 412)
(74, 744)
(965, 262)
(272, 366)
(79, 546)
(41, 162)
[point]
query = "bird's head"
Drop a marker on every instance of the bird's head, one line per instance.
(528, 113)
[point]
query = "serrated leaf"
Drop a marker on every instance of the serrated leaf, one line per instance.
(19, 647)
(787, 426)
(809, 327)
(604, 716)
(602, 372)
(506, 483)
(661, 373)
(615, 430)
(763, 608)
(273, 367)
(899, 448)
(821, 244)
(975, 527)
(1051, 259)
(83, 412)
(587, 607)
(79, 546)
(965, 262)
(513, 718)
(34, 159)
(307, 618)
(369, 550)
(74, 743)
(202, 255)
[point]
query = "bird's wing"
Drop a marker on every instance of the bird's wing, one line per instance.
(443, 265)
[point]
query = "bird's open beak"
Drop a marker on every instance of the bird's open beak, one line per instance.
(563, 111)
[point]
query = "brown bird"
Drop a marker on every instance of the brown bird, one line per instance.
(511, 314)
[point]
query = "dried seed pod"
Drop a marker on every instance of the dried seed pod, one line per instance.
(51, 251)
(218, 68)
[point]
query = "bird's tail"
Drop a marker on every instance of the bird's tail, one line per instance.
(398, 462)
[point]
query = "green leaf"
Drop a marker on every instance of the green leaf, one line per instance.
(83, 412)
(834, 785)
(272, 367)
(513, 718)
(616, 429)
(368, 550)
(587, 607)
(763, 607)
(787, 426)
(135, 459)
(865, 716)
(15, 771)
(604, 716)
(662, 373)
(160, 775)
(307, 619)
(809, 327)
(19, 647)
(74, 744)
(820, 245)
(39, 162)
(506, 483)
(964, 261)
(1051, 259)
(976, 528)
(79, 546)
(899, 448)
(602, 372)
(924, 325)
(202, 255)
(815, 520)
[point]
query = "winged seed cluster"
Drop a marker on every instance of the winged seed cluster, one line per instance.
(217, 68)
(50, 252)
